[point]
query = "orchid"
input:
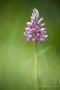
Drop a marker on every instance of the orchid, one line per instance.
(36, 32)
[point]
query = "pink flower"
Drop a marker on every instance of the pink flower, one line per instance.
(35, 31)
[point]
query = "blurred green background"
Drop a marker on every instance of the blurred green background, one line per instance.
(17, 56)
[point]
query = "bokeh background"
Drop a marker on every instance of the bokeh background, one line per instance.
(17, 56)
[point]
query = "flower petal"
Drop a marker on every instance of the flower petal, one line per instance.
(40, 20)
(27, 28)
(42, 40)
(32, 17)
(38, 34)
(30, 36)
(43, 32)
(33, 39)
(43, 29)
(42, 25)
(29, 23)
(28, 39)
(28, 32)
(24, 33)
(46, 37)
(34, 30)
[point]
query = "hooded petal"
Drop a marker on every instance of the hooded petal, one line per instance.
(42, 25)
(43, 32)
(27, 28)
(46, 37)
(40, 20)
(30, 36)
(43, 29)
(42, 40)
(29, 23)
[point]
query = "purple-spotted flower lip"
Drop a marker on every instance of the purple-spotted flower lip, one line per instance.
(35, 30)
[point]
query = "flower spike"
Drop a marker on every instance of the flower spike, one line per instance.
(35, 31)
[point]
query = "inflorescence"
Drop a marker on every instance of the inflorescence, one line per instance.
(35, 31)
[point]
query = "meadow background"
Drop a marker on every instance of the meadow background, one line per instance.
(17, 56)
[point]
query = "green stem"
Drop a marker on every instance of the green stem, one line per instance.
(35, 57)
(36, 69)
